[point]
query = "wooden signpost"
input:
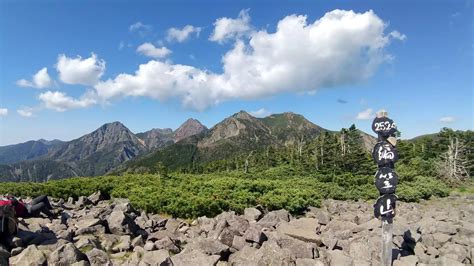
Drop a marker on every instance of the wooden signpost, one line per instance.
(385, 156)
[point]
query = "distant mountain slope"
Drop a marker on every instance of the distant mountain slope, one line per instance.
(237, 134)
(93, 154)
(189, 128)
(157, 138)
(26, 151)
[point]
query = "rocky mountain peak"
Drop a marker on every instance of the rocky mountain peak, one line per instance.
(243, 115)
(189, 128)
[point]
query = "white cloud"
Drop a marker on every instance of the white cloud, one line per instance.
(3, 111)
(397, 35)
(262, 112)
(228, 28)
(366, 114)
(342, 47)
(447, 119)
(40, 80)
(60, 102)
(142, 29)
(181, 35)
(80, 71)
(25, 112)
(150, 50)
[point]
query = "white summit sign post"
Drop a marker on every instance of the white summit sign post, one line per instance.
(385, 155)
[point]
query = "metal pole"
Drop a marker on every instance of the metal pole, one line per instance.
(387, 233)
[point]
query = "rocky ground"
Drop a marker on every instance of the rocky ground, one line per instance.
(93, 231)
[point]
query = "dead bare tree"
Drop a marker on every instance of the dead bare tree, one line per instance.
(454, 164)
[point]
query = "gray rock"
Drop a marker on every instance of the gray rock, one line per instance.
(156, 257)
(227, 236)
(195, 258)
(167, 244)
(406, 261)
(322, 216)
(309, 262)
(269, 254)
(138, 241)
(359, 250)
(329, 240)
(255, 234)
(208, 246)
(337, 257)
(149, 246)
(273, 218)
(206, 224)
(252, 214)
(305, 229)
(30, 256)
(124, 244)
(120, 223)
(440, 238)
(96, 197)
(66, 255)
(298, 248)
(98, 257)
(238, 243)
(86, 223)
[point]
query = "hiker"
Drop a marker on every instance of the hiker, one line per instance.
(33, 209)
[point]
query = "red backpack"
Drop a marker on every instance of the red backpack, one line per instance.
(8, 221)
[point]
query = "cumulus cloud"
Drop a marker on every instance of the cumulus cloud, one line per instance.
(397, 35)
(447, 119)
(40, 80)
(85, 71)
(60, 102)
(25, 112)
(340, 48)
(366, 114)
(228, 28)
(150, 50)
(3, 111)
(262, 112)
(181, 35)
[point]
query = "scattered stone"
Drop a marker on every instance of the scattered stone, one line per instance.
(29, 256)
(194, 257)
(98, 257)
(252, 214)
(156, 257)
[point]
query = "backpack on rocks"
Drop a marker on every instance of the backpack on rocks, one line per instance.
(8, 221)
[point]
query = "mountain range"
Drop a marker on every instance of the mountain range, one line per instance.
(114, 148)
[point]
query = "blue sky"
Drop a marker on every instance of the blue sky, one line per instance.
(413, 58)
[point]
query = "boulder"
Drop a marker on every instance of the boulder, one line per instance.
(66, 255)
(120, 223)
(167, 244)
(30, 256)
(194, 257)
(208, 246)
(98, 257)
(337, 257)
(96, 197)
(255, 234)
(273, 218)
(359, 250)
(252, 214)
(309, 262)
(156, 257)
(124, 244)
(321, 215)
(305, 229)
